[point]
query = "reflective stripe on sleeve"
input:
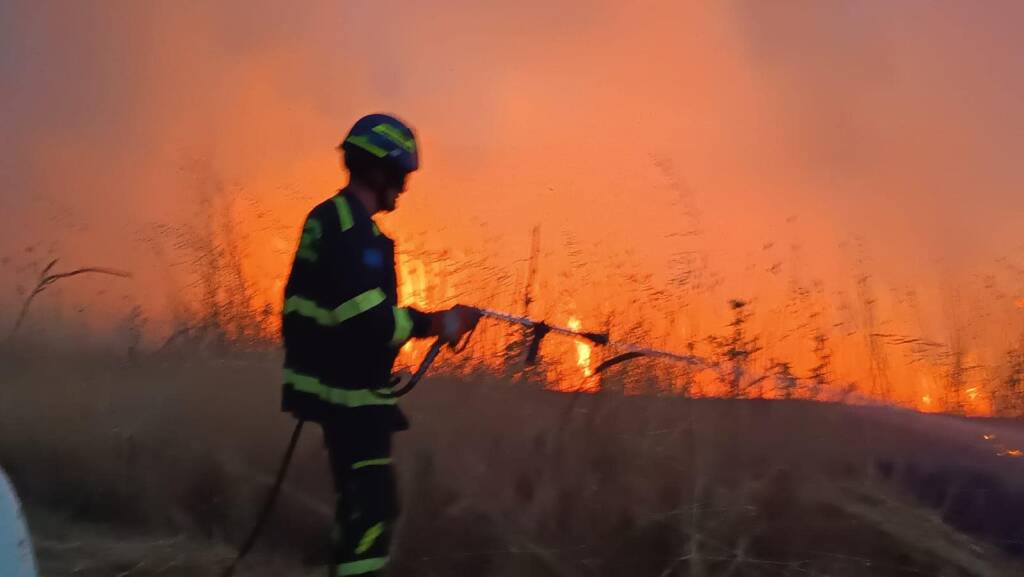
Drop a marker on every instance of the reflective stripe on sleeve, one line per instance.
(403, 327)
(312, 231)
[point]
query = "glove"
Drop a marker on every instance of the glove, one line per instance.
(451, 325)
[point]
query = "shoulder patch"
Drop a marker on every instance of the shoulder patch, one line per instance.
(373, 257)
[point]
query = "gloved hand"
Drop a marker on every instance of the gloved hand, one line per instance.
(452, 324)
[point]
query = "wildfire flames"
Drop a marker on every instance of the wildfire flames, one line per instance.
(582, 349)
(429, 283)
(420, 286)
(1001, 449)
(735, 192)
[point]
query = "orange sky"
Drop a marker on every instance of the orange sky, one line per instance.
(772, 146)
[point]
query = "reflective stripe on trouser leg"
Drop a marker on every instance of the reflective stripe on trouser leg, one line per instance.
(369, 566)
(365, 519)
(367, 501)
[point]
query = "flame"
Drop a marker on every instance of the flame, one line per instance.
(279, 179)
(1001, 450)
(412, 291)
(583, 350)
(430, 278)
(413, 286)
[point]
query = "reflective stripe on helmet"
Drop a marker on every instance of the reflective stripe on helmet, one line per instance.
(364, 142)
(394, 134)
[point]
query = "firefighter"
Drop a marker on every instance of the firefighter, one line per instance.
(342, 331)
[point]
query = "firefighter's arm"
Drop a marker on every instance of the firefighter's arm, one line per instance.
(365, 314)
(380, 323)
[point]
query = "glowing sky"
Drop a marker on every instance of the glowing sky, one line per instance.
(779, 144)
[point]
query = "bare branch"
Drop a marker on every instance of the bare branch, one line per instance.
(46, 280)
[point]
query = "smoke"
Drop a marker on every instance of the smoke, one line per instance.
(834, 139)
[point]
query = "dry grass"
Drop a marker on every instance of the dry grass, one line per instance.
(156, 467)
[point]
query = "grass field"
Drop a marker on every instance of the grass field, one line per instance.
(156, 467)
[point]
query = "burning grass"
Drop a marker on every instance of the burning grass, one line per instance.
(156, 467)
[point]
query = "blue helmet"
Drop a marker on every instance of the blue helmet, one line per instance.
(384, 137)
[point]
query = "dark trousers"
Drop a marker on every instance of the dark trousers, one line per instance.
(367, 505)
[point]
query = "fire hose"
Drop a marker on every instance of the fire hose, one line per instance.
(538, 329)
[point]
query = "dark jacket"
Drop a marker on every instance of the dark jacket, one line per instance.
(342, 324)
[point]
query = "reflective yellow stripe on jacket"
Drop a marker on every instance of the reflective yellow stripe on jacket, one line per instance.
(344, 212)
(350, 308)
(344, 397)
(346, 310)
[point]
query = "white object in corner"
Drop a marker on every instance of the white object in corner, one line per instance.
(16, 558)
